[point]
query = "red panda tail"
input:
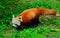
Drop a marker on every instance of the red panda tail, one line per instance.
(48, 11)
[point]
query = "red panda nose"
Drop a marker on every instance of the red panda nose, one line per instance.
(16, 24)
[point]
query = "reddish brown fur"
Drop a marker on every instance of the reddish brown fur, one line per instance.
(34, 13)
(48, 11)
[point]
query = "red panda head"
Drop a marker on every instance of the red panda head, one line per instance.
(16, 21)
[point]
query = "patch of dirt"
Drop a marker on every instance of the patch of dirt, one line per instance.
(58, 0)
(28, 0)
(51, 35)
(8, 32)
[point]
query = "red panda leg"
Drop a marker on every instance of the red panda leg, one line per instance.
(34, 21)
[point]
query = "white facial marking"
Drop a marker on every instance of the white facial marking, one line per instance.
(12, 18)
(15, 21)
(14, 25)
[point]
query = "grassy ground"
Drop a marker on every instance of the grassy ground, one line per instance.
(46, 29)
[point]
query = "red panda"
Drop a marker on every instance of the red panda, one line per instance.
(34, 13)
(31, 15)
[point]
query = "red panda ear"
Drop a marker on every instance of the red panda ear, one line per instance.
(13, 17)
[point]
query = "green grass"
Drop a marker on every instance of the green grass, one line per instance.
(44, 29)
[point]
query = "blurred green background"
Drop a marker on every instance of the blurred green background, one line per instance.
(10, 7)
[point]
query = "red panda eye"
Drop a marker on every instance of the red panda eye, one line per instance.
(19, 18)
